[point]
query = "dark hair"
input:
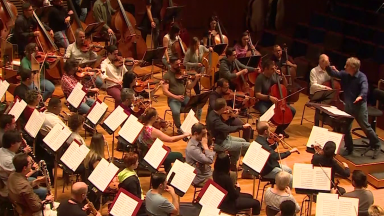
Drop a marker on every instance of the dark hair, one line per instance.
(24, 74)
(31, 96)
(111, 49)
(241, 37)
(173, 31)
(128, 79)
(267, 64)
(261, 128)
(158, 179)
(193, 42)
(20, 161)
(229, 51)
(6, 119)
(221, 81)
(147, 115)
(219, 104)
(173, 59)
(25, 6)
(130, 158)
(329, 149)
(359, 178)
(11, 137)
(75, 121)
(197, 128)
(54, 102)
(222, 163)
(70, 64)
(30, 48)
(211, 18)
(125, 92)
(288, 208)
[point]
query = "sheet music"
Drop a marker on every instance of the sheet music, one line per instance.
(332, 205)
(319, 136)
(256, 157)
(189, 121)
(77, 95)
(57, 136)
(74, 155)
(103, 174)
(335, 110)
(34, 123)
(184, 175)
(131, 129)
(212, 197)
(116, 118)
(4, 85)
(18, 108)
(124, 205)
(305, 176)
(155, 154)
(268, 114)
(97, 112)
(207, 210)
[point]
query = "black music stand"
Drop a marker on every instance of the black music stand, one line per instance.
(196, 101)
(320, 96)
(252, 61)
(150, 56)
(93, 28)
(311, 195)
(172, 13)
(219, 48)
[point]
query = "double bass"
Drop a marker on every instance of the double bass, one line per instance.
(131, 44)
(76, 24)
(179, 48)
(220, 38)
(209, 61)
(8, 15)
(291, 72)
(252, 52)
(335, 85)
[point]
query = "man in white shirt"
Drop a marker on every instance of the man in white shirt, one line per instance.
(51, 116)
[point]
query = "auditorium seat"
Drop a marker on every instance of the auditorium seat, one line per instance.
(366, 50)
(283, 39)
(371, 69)
(301, 31)
(379, 55)
(333, 41)
(351, 29)
(316, 35)
(334, 24)
(312, 54)
(378, 37)
(318, 20)
(337, 58)
(366, 33)
(300, 48)
(350, 45)
(268, 38)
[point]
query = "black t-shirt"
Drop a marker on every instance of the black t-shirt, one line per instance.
(156, 6)
(20, 91)
(90, 167)
(65, 208)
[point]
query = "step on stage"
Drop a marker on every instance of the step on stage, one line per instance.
(373, 168)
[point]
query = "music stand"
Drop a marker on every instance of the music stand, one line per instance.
(219, 48)
(252, 61)
(151, 55)
(196, 101)
(322, 95)
(172, 13)
(93, 27)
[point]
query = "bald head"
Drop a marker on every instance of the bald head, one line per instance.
(79, 189)
(262, 128)
(323, 61)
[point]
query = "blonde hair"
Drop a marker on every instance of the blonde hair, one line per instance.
(375, 210)
(354, 62)
(282, 180)
(96, 149)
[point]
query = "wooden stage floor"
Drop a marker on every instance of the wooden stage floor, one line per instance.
(298, 138)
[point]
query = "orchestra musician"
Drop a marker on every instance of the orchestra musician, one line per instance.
(102, 12)
(75, 123)
(272, 167)
(75, 205)
(74, 50)
(46, 87)
(355, 87)
(222, 87)
(32, 98)
(127, 98)
(21, 190)
(25, 28)
(280, 59)
(211, 32)
(59, 19)
(175, 90)
(264, 82)
(168, 40)
(228, 66)
(151, 21)
(7, 122)
(243, 46)
(69, 81)
(26, 82)
(220, 131)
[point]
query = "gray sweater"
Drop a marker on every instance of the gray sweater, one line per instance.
(191, 60)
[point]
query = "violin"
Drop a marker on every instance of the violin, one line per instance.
(274, 138)
(82, 72)
(143, 85)
(50, 57)
(161, 124)
(319, 151)
(140, 105)
(228, 113)
(120, 61)
(90, 46)
(240, 97)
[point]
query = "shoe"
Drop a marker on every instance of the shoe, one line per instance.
(347, 152)
(376, 152)
(179, 131)
(285, 134)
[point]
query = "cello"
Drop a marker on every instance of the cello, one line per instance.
(131, 44)
(179, 48)
(8, 15)
(220, 38)
(166, 26)
(292, 87)
(209, 61)
(336, 101)
(283, 114)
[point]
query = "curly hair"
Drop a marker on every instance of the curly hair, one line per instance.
(31, 96)
(75, 121)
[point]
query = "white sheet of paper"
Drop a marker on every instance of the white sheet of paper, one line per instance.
(189, 121)
(268, 114)
(184, 175)
(318, 136)
(103, 174)
(34, 123)
(17, 108)
(348, 206)
(212, 197)
(335, 110)
(256, 157)
(155, 154)
(74, 155)
(207, 210)
(77, 95)
(116, 118)
(333, 205)
(131, 129)
(97, 112)
(3, 87)
(57, 136)
(305, 176)
(124, 206)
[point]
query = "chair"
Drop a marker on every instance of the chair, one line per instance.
(351, 29)
(334, 24)
(301, 31)
(333, 41)
(366, 50)
(170, 111)
(272, 211)
(282, 39)
(316, 35)
(318, 20)
(350, 45)
(269, 181)
(268, 38)
(197, 189)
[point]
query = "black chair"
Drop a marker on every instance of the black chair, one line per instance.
(272, 211)
(269, 181)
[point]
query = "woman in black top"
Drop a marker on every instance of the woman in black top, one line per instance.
(234, 201)
(129, 81)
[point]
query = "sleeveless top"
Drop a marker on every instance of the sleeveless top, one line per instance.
(170, 43)
(145, 139)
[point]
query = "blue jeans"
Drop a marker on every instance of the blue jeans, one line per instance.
(360, 112)
(164, 60)
(276, 170)
(41, 191)
(85, 106)
(176, 106)
(61, 38)
(46, 87)
(235, 146)
(263, 106)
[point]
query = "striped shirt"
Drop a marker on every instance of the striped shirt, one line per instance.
(274, 200)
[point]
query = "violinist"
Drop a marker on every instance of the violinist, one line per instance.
(325, 158)
(243, 46)
(46, 86)
(69, 81)
(25, 28)
(113, 75)
(193, 58)
(272, 166)
(264, 82)
(58, 20)
(102, 12)
(228, 67)
(168, 40)
(222, 87)
(211, 32)
(127, 99)
(151, 21)
(175, 90)
(76, 51)
(26, 82)
(280, 59)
